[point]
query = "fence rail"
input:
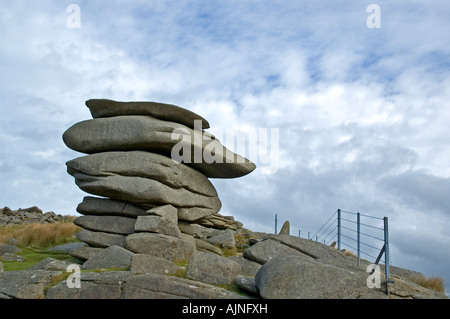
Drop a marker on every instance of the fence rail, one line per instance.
(367, 235)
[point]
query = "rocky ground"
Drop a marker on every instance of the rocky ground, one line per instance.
(225, 264)
(27, 216)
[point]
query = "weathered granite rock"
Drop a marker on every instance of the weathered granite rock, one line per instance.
(51, 264)
(26, 284)
(108, 224)
(156, 224)
(111, 257)
(285, 229)
(66, 248)
(145, 165)
(248, 267)
(220, 222)
(265, 250)
(129, 285)
(167, 112)
(152, 286)
(105, 206)
(6, 248)
(196, 230)
(293, 277)
(147, 180)
(84, 253)
(224, 239)
(93, 285)
(11, 257)
(247, 284)
(100, 239)
(142, 263)
(162, 246)
(212, 268)
(314, 250)
(207, 247)
(161, 220)
(134, 132)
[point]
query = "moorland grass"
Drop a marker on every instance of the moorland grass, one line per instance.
(39, 235)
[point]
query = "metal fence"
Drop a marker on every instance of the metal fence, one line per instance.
(366, 235)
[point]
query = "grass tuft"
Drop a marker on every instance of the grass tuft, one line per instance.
(39, 235)
(433, 282)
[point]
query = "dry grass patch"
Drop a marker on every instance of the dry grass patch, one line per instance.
(433, 282)
(39, 235)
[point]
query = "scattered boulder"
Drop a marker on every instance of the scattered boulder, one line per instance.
(111, 257)
(51, 264)
(25, 284)
(11, 257)
(294, 277)
(285, 229)
(6, 248)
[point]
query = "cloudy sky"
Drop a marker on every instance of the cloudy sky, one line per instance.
(362, 113)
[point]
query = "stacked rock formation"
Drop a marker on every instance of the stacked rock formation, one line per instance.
(145, 196)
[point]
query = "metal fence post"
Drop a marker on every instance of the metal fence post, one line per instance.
(275, 224)
(339, 229)
(358, 223)
(386, 253)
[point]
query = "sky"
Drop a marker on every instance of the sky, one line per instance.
(355, 103)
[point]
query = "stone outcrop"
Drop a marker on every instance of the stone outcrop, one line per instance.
(28, 215)
(146, 201)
